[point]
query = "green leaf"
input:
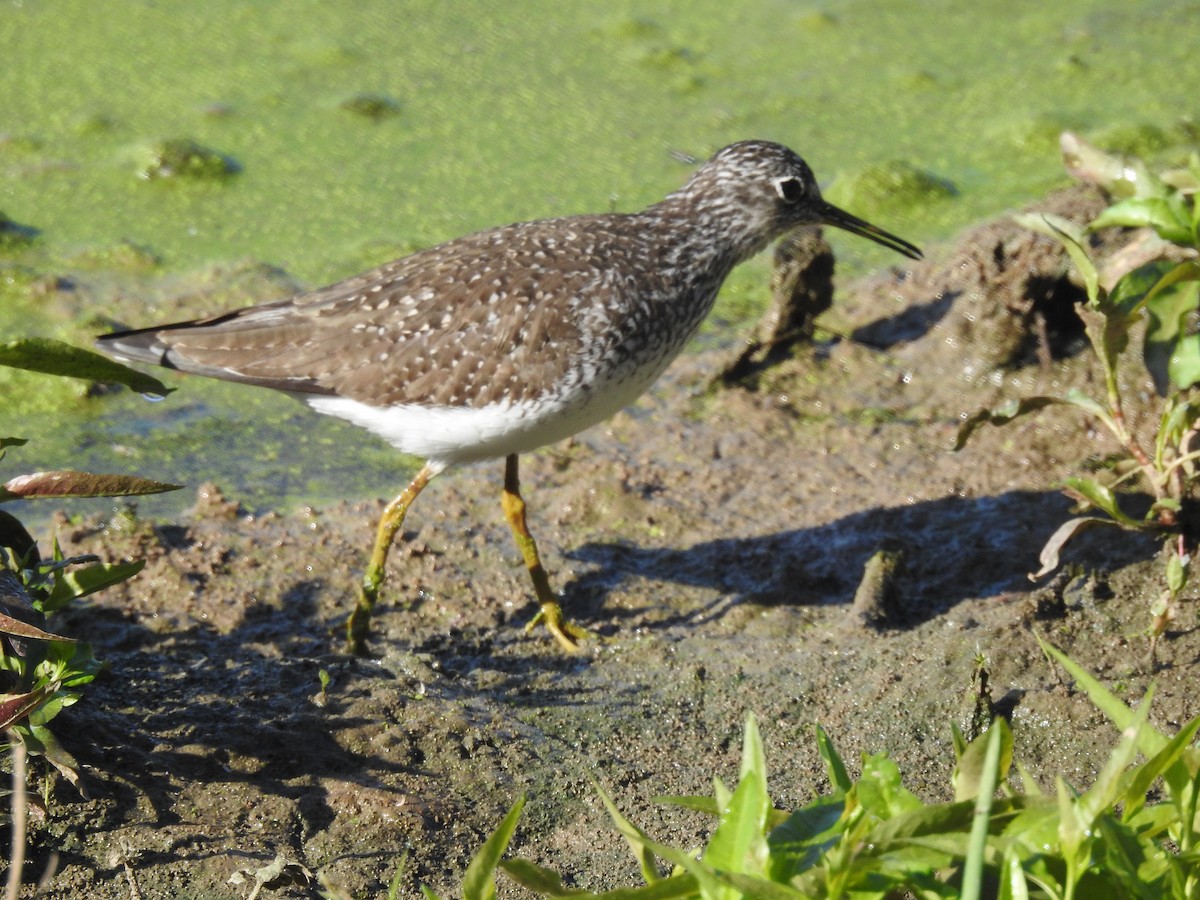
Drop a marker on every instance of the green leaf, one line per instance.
(759, 888)
(957, 740)
(1104, 792)
(1176, 573)
(1035, 827)
(479, 882)
(537, 878)
(394, 886)
(638, 841)
(880, 789)
(1080, 400)
(71, 584)
(1103, 498)
(971, 774)
(1124, 858)
(707, 883)
(1012, 878)
(1028, 785)
(1178, 416)
(738, 844)
(55, 703)
(1188, 270)
(1166, 215)
(55, 754)
(1149, 741)
(935, 819)
(803, 838)
(546, 882)
(1002, 415)
(1072, 238)
(1134, 797)
(1071, 832)
(1183, 369)
(1169, 292)
(77, 664)
(721, 794)
(1131, 291)
(754, 758)
(1142, 285)
(834, 767)
(57, 358)
(80, 484)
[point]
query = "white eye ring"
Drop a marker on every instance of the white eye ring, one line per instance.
(789, 188)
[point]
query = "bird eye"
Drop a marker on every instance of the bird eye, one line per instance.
(790, 189)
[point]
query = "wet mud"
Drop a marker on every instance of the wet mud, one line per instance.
(715, 544)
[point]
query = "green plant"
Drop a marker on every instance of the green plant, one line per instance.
(871, 838)
(1165, 292)
(42, 673)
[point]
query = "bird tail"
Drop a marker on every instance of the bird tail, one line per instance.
(142, 346)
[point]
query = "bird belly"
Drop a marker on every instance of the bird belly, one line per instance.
(447, 435)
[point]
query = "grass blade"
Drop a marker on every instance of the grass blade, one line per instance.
(834, 766)
(479, 882)
(977, 843)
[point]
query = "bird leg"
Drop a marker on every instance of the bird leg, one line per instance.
(390, 521)
(566, 633)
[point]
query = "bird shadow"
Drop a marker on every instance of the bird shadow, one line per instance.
(954, 549)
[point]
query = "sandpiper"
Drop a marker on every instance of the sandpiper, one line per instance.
(499, 342)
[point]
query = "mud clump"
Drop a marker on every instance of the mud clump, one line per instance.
(1002, 297)
(801, 289)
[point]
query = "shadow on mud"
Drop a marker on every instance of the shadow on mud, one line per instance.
(953, 548)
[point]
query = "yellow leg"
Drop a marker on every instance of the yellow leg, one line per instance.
(567, 634)
(390, 522)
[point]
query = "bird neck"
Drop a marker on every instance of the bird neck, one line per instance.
(708, 233)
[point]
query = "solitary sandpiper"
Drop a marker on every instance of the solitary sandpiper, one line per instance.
(499, 342)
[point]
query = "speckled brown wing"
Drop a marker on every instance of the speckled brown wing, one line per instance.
(473, 321)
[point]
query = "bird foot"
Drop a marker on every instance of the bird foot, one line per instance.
(358, 626)
(568, 634)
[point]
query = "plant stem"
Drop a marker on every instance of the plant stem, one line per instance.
(20, 810)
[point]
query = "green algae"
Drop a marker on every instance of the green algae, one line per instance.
(184, 158)
(375, 107)
(888, 186)
(120, 256)
(515, 116)
(508, 116)
(1142, 139)
(14, 235)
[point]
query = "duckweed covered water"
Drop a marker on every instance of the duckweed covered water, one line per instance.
(345, 134)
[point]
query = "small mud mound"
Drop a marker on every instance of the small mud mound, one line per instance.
(1002, 297)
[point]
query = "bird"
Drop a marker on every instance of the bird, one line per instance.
(493, 344)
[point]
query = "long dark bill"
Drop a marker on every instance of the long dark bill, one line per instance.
(839, 218)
